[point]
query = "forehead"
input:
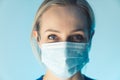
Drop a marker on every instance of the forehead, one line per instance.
(60, 17)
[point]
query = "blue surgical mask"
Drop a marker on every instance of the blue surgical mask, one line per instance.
(64, 59)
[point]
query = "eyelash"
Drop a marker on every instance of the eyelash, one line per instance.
(77, 38)
(72, 38)
(53, 35)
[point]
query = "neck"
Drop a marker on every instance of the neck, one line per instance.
(51, 76)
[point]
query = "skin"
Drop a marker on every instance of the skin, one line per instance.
(61, 24)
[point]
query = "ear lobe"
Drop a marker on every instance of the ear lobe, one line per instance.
(35, 34)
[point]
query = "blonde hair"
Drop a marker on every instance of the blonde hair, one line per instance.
(83, 4)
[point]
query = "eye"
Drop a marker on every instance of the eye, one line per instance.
(77, 38)
(52, 37)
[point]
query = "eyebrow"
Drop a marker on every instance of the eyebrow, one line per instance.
(76, 30)
(52, 30)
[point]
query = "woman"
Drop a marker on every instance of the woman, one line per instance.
(61, 38)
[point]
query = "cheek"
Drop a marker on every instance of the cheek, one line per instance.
(40, 43)
(42, 40)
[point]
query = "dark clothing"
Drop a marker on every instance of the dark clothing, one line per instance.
(86, 78)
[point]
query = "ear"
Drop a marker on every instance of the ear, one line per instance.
(35, 35)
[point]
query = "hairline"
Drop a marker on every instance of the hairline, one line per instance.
(65, 5)
(46, 6)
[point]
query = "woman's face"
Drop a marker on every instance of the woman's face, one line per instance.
(63, 24)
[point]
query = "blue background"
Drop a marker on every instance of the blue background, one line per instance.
(16, 58)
